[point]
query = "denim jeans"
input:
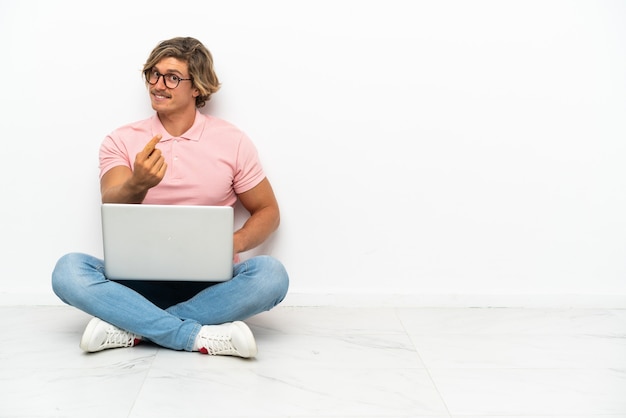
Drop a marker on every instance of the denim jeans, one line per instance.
(167, 313)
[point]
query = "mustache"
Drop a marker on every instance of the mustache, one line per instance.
(159, 93)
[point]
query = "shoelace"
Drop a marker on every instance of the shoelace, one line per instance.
(118, 338)
(215, 345)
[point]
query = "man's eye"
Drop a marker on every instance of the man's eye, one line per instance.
(173, 78)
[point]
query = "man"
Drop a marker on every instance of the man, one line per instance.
(180, 156)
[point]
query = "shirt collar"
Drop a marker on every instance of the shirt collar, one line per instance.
(192, 134)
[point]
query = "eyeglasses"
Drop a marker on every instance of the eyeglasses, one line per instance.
(171, 80)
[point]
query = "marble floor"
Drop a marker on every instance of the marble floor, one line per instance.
(329, 362)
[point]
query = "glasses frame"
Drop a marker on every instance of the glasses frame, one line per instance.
(148, 74)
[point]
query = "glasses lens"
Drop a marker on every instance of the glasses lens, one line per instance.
(171, 81)
(151, 77)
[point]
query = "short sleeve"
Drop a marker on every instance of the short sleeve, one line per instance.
(249, 171)
(112, 154)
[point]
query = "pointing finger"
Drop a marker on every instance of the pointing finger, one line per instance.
(151, 145)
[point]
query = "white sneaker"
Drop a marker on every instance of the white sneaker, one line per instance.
(230, 339)
(100, 335)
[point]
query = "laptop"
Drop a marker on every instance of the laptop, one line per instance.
(167, 242)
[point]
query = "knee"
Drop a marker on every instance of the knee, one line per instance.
(274, 274)
(62, 273)
(66, 274)
(277, 274)
(272, 267)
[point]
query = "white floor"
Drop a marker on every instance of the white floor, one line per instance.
(329, 362)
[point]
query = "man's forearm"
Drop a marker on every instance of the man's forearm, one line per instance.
(256, 229)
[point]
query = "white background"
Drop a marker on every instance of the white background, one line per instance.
(434, 153)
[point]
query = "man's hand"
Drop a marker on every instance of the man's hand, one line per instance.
(123, 185)
(150, 166)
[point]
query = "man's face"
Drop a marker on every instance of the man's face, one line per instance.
(167, 99)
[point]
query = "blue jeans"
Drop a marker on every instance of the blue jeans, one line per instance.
(167, 313)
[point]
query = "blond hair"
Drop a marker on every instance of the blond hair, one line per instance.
(199, 61)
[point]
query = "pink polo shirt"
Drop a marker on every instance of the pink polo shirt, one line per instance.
(208, 165)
